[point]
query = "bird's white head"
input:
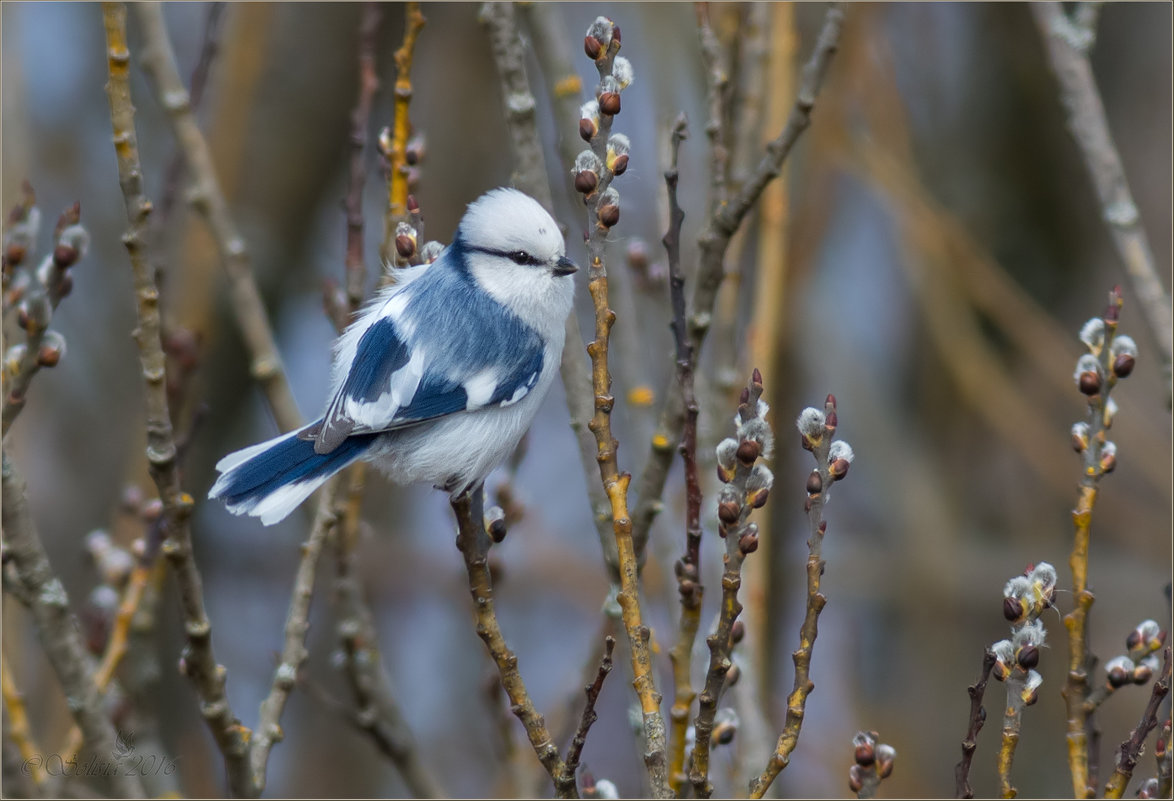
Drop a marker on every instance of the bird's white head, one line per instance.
(516, 252)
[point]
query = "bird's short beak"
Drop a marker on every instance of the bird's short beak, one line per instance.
(564, 266)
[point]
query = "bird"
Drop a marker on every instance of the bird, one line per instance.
(440, 375)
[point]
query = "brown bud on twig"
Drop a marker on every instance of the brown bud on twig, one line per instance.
(831, 420)
(615, 33)
(405, 246)
(1013, 609)
(1028, 657)
(865, 751)
(748, 543)
(609, 103)
(855, 778)
(586, 129)
(728, 512)
(838, 469)
(65, 255)
(1108, 461)
(497, 530)
(1089, 383)
(609, 215)
(814, 483)
(592, 47)
(737, 632)
(620, 165)
(49, 355)
(748, 451)
(1118, 676)
(757, 498)
(1123, 365)
(586, 181)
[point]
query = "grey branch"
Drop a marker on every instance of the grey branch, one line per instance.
(57, 629)
(208, 199)
(1067, 54)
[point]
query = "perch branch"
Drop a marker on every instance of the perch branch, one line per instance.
(565, 783)
(473, 543)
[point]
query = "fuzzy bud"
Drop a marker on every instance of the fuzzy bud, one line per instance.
(1088, 375)
(814, 483)
(588, 120)
(52, 349)
(1150, 788)
(431, 251)
(1092, 334)
(748, 451)
(609, 103)
(495, 523)
(1146, 638)
(621, 70)
(405, 246)
(602, 30)
(1108, 457)
(1142, 674)
(1030, 692)
(609, 208)
(748, 542)
(592, 47)
(727, 451)
(865, 745)
(811, 423)
(1123, 355)
(1014, 610)
(1119, 671)
(1080, 432)
(886, 755)
(856, 778)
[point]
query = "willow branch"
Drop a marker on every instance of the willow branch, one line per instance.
(1089, 126)
(473, 542)
(962, 787)
(714, 241)
(56, 627)
(602, 214)
(1132, 747)
(208, 199)
(818, 485)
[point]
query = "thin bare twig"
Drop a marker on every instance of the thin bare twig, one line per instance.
(565, 783)
(208, 199)
(1068, 57)
(18, 731)
(1131, 748)
(356, 265)
(59, 636)
(714, 241)
(977, 719)
(688, 569)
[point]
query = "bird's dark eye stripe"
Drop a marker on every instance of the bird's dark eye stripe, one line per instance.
(516, 256)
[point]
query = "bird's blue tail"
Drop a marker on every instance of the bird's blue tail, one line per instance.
(270, 479)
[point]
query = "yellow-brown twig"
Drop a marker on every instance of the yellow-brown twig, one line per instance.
(1131, 749)
(18, 720)
(397, 184)
(1006, 754)
(116, 645)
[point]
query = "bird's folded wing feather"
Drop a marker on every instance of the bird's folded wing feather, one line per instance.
(394, 381)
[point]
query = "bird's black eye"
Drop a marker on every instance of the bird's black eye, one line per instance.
(522, 257)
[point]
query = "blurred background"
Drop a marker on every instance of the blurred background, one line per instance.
(937, 248)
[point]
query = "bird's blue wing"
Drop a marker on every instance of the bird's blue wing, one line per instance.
(410, 367)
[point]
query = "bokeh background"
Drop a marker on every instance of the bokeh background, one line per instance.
(940, 247)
